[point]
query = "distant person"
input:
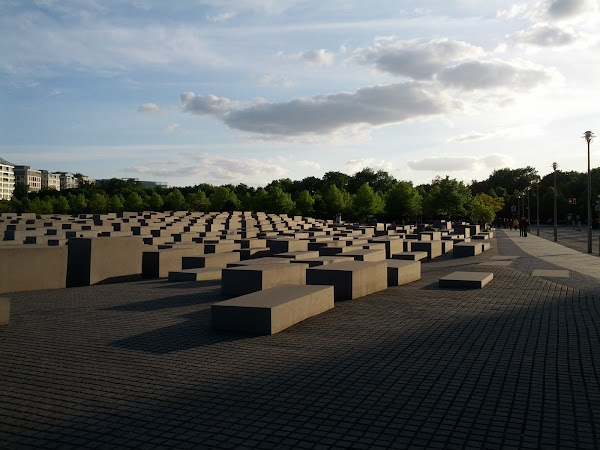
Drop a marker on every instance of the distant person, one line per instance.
(515, 224)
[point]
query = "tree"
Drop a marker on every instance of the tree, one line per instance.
(155, 202)
(337, 200)
(367, 202)
(279, 202)
(247, 202)
(61, 205)
(20, 191)
(98, 204)
(304, 203)
(174, 201)
(403, 201)
(115, 204)
(78, 203)
(134, 202)
(220, 195)
(340, 179)
(447, 198)
(484, 208)
(197, 202)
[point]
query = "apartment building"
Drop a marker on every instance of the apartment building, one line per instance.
(30, 177)
(7, 179)
(68, 181)
(50, 180)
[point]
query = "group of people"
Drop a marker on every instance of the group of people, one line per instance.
(522, 225)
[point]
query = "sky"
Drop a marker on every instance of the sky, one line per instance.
(248, 91)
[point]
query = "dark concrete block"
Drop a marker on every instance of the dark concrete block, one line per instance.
(466, 280)
(272, 310)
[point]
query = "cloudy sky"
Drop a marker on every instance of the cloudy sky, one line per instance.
(247, 91)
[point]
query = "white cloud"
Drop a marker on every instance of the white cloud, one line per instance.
(459, 163)
(316, 57)
(172, 127)
(545, 35)
(310, 164)
(206, 105)
(221, 17)
(375, 106)
(513, 11)
(356, 165)
(211, 167)
(414, 59)
(149, 108)
(275, 81)
(565, 9)
(475, 75)
(473, 136)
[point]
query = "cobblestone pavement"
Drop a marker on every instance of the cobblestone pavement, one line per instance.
(515, 364)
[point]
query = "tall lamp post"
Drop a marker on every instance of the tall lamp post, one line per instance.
(554, 166)
(537, 209)
(588, 135)
(528, 208)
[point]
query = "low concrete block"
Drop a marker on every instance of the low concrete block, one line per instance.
(32, 267)
(321, 260)
(392, 245)
(158, 263)
(365, 255)
(352, 279)
(447, 246)
(199, 274)
(465, 249)
(103, 260)
(5, 311)
(255, 261)
(298, 255)
(214, 260)
(433, 248)
(401, 272)
(272, 310)
(287, 245)
(243, 280)
(466, 280)
(410, 256)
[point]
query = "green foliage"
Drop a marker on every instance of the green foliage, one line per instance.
(305, 203)
(61, 205)
(78, 204)
(174, 201)
(134, 202)
(98, 204)
(20, 191)
(484, 208)
(220, 196)
(155, 201)
(367, 202)
(447, 198)
(337, 200)
(279, 202)
(403, 201)
(197, 202)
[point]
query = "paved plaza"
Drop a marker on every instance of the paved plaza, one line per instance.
(515, 364)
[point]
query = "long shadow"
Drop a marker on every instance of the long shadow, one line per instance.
(195, 332)
(176, 301)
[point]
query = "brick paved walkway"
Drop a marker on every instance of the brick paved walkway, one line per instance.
(137, 365)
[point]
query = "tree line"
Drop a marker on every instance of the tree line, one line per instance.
(368, 193)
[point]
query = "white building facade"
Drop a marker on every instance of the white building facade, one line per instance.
(30, 177)
(50, 180)
(7, 179)
(68, 181)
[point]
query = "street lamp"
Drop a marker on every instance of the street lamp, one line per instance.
(528, 208)
(554, 166)
(537, 209)
(588, 135)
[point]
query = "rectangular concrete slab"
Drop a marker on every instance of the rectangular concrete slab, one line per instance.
(466, 249)
(4, 311)
(214, 260)
(433, 248)
(550, 273)
(199, 274)
(321, 260)
(466, 280)
(246, 279)
(352, 279)
(272, 310)
(410, 256)
(32, 267)
(365, 255)
(401, 272)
